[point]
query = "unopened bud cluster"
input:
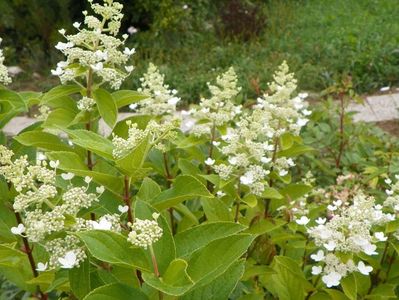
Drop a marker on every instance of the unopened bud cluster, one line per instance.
(144, 233)
(155, 132)
(251, 144)
(162, 100)
(219, 109)
(4, 78)
(96, 48)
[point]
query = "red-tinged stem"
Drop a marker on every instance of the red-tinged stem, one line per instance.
(127, 200)
(156, 270)
(28, 251)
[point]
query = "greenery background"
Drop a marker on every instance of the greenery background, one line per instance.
(193, 41)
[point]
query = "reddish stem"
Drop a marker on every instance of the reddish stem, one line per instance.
(126, 199)
(28, 251)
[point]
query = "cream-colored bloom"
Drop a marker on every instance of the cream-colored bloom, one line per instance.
(95, 47)
(4, 78)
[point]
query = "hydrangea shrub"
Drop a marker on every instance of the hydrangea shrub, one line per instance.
(213, 202)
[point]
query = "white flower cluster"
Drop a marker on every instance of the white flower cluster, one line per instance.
(86, 104)
(95, 48)
(44, 112)
(286, 113)
(145, 232)
(105, 222)
(350, 229)
(154, 130)
(45, 210)
(219, 109)
(4, 78)
(251, 145)
(65, 252)
(162, 100)
(393, 194)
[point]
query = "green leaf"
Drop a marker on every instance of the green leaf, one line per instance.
(60, 282)
(221, 287)
(79, 279)
(336, 294)
(91, 141)
(126, 97)
(250, 199)
(14, 266)
(295, 191)
(271, 193)
(67, 160)
(44, 280)
(199, 236)
(43, 140)
(289, 281)
(132, 163)
(11, 104)
(116, 291)
(30, 97)
(184, 187)
(106, 106)
(60, 91)
(59, 117)
(114, 248)
(209, 262)
(295, 150)
(349, 286)
(216, 210)
(175, 281)
(286, 141)
(265, 226)
(149, 189)
(383, 291)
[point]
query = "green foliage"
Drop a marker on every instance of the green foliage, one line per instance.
(202, 235)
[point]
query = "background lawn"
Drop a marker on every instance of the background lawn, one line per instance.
(193, 41)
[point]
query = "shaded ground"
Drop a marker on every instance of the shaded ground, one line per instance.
(391, 126)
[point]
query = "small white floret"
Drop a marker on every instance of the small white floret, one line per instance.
(380, 236)
(316, 270)
(19, 230)
(67, 176)
(303, 220)
(54, 164)
(41, 267)
(100, 189)
(123, 208)
(319, 256)
(68, 261)
(209, 161)
(365, 270)
(332, 279)
(330, 246)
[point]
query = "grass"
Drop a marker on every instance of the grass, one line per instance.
(319, 39)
